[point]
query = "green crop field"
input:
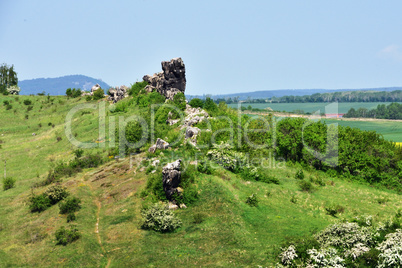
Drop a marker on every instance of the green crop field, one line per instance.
(343, 107)
(390, 130)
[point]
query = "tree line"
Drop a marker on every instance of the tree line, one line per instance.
(391, 111)
(347, 96)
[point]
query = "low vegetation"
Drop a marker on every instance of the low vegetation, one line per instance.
(243, 198)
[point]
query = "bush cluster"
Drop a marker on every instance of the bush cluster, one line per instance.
(66, 236)
(348, 244)
(53, 195)
(160, 219)
(73, 93)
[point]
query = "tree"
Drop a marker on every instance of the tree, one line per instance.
(8, 78)
(196, 102)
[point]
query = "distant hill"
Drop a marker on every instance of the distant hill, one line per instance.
(58, 85)
(287, 92)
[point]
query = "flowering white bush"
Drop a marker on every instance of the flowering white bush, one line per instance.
(288, 255)
(345, 235)
(324, 258)
(391, 250)
(13, 90)
(357, 250)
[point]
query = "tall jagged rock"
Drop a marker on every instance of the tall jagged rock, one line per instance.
(170, 81)
(171, 176)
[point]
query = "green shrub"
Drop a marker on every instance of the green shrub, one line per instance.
(98, 94)
(198, 218)
(137, 88)
(160, 219)
(56, 193)
(210, 106)
(27, 102)
(196, 103)
(204, 167)
(382, 200)
(6, 102)
(78, 153)
(39, 203)
(64, 236)
(149, 169)
(9, 107)
(8, 183)
(70, 205)
(299, 175)
(333, 210)
(306, 186)
(88, 98)
(252, 200)
(180, 101)
(71, 217)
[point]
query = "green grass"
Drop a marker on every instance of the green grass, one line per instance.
(343, 107)
(231, 233)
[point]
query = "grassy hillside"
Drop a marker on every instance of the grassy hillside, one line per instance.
(219, 229)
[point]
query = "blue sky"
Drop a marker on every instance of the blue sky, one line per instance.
(227, 46)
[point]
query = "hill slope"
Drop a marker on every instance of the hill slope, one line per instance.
(218, 230)
(58, 85)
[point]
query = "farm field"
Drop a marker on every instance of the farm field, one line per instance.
(390, 130)
(311, 107)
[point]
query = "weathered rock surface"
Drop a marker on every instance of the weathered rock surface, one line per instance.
(95, 88)
(117, 93)
(192, 132)
(170, 81)
(171, 176)
(159, 144)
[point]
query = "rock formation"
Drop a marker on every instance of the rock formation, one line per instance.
(117, 93)
(170, 81)
(95, 88)
(160, 144)
(171, 176)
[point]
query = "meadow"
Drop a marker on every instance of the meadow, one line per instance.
(218, 230)
(343, 107)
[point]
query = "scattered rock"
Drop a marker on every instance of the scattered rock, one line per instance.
(155, 163)
(152, 149)
(160, 144)
(170, 81)
(171, 176)
(118, 93)
(192, 132)
(33, 134)
(183, 206)
(173, 206)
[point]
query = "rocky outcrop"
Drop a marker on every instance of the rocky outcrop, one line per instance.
(160, 144)
(117, 93)
(171, 176)
(170, 81)
(95, 88)
(193, 116)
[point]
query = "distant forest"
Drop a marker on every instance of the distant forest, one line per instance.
(346, 96)
(391, 111)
